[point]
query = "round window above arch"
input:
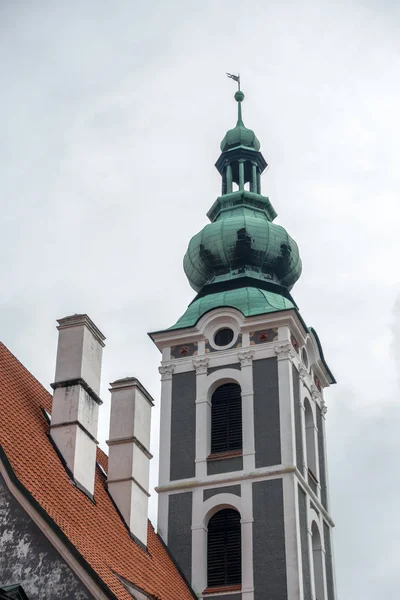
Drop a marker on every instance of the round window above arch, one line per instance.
(224, 337)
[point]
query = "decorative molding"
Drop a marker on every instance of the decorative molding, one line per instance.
(184, 350)
(285, 351)
(246, 357)
(166, 371)
(201, 365)
(324, 408)
(303, 373)
(295, 343)
(262, 336)
(315, 393)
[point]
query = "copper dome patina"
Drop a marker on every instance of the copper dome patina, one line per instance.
(242, 242)
(250, 301)
(240, 135)
(241, 259)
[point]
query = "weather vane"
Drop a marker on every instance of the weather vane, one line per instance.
(235, 78)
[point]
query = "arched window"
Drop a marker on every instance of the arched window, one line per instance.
(318, 563)
(224, 555)
(310, 443)
(226, 418)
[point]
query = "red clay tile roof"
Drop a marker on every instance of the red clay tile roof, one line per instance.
(96, 530)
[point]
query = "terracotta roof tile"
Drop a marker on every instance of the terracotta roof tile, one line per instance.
(96, 530)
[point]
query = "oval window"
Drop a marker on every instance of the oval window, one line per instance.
(304, 358)
(223, 337)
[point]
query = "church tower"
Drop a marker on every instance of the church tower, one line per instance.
(243, 492)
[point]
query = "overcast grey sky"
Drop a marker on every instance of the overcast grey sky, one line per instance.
(112, 115)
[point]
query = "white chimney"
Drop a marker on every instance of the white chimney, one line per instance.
(75, 410)
(129, 456)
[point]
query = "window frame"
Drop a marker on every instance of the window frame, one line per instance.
(226, 419)
(227, 534)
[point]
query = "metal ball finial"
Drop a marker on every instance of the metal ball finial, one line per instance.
(239, 96)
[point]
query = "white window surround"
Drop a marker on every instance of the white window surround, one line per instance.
(222, 322)
(312, 402)
(318, 557)
(310, 437)
(211, 383)
(218, 378)
(204, 511)
(217, 503)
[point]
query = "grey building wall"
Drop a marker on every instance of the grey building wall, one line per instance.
(180, 531)
(183, 425)
(270, 580)
(29, 559)
(231, 366)
(328, 562)
(228, 489)
(322, 466)
(266, 412)
(304, 544)
(225, 465)
(297, 420)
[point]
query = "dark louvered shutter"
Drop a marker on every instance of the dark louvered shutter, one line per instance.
(226, 418)
(224, 566)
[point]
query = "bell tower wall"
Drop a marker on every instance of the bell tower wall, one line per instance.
(281, 501)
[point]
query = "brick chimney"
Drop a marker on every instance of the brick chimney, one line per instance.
(129, 456)
(74, 418)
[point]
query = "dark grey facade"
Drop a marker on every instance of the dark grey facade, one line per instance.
(266, 412)
(322, 465)
(235, 365)
(270, 579)
(180, 531)
(229, 489)
(224, 465)
(183, 425)
(28, 558)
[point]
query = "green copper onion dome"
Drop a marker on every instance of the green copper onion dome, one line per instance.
(241, 259)
(240, 135)
(242, 242)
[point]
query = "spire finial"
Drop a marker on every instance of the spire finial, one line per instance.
(239, 97)
(235, 78)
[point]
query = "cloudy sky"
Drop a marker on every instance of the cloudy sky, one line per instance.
(112, 114)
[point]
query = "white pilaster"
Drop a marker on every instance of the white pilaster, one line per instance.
(246, 362)
(292, 539)
(311, 561)
(324, 410)
(303, 426)
(247, 522)
(285, 354)
(316, 396)
(203, 418)
(199, 544)
(166, 372)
